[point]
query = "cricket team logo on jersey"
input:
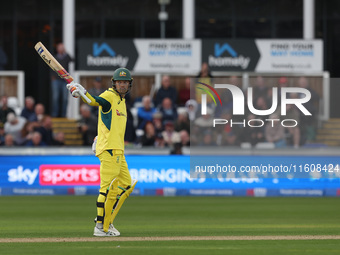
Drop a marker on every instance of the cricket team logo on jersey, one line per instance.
(122, 73)
(118, 113)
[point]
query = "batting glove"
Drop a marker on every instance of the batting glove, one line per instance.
(76, 89)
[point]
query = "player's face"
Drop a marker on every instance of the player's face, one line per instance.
(122, 86)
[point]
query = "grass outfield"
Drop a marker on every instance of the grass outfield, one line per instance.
(179, 247)
(72, 217)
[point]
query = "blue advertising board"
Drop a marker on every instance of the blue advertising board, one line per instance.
(156, 175)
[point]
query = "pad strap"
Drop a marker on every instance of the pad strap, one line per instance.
(100, 218)
(100, 204)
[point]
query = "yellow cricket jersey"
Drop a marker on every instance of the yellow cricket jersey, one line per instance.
(112, 123)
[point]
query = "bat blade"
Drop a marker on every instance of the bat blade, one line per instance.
(55, 65)
(52, 62)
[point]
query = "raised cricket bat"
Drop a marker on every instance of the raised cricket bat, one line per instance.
(55, 66)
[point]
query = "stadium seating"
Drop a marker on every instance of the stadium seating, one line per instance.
(70, 129)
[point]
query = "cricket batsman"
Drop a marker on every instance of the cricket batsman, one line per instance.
(115, 180)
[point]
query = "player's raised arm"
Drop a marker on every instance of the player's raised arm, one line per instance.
(77, 90)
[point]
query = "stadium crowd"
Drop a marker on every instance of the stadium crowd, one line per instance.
(172, 119)
(250, 130)
(31, 128)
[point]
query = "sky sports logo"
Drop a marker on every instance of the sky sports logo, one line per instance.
(235, 59)
(97, 58)
(239, 105)
(64, 175)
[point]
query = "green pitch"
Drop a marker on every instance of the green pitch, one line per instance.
(72, 217)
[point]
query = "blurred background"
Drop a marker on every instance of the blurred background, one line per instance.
(23, 23)
(170, 46)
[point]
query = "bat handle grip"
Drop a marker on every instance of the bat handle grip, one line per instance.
(84, 96)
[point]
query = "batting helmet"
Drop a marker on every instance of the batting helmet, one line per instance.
(121, 74)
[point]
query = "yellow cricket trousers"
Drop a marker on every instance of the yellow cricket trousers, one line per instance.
(112, 165)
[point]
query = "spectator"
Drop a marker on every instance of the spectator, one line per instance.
(229, 133)
(170, 136)
(182, 123)
(199, 126)
(149, 137)
(3, 58)
(208, 138)
(283, 83)
(253, 134)
(157, 122)
(168, 110)
(184, 93)
(26, 133)
(14, 126)
(177, 150)
(145, 112)
(309, 122)
(36, 140)
(259, 89)
(191, 107)
(235, 80)
(59, 139)
(275, 132)
(205, 72)
(59, 91)
(185, 138)
(159, 143)
(46, 130)
(203, 77)
(260, 104)
(4, 110)
(9, 140)
(96, 90)
(205, 121)
(2, 134)
(28, 111)
(226, 98)
(166, 91)
(39, 111)
(87, 125)
(293, 132)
